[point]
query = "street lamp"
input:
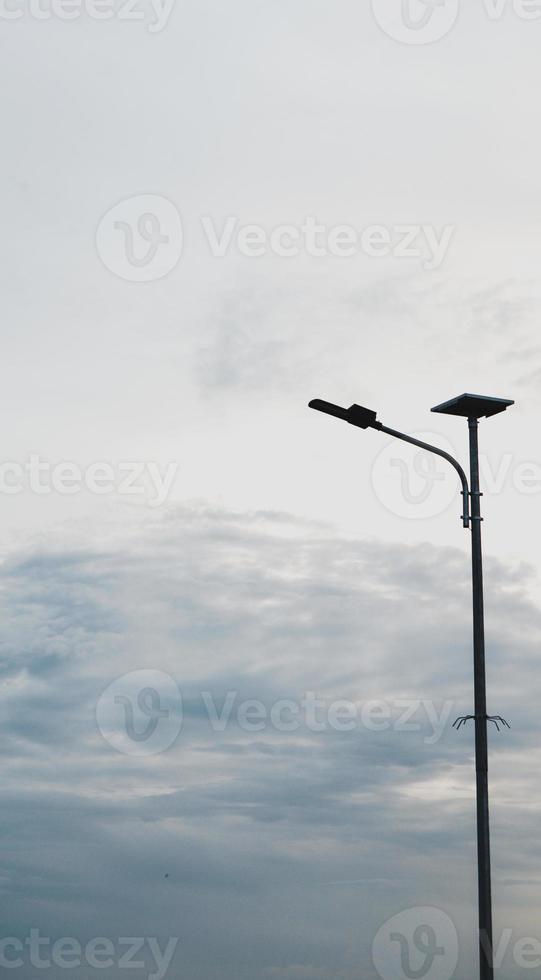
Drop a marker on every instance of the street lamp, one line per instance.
(472, 407)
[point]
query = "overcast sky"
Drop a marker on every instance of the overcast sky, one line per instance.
(212, 213)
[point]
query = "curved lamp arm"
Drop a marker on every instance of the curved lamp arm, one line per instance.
(438, 452)
(365, 418)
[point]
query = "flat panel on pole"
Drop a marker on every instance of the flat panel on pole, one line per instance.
(473, 406)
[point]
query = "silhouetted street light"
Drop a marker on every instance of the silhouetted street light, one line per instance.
(472, 407)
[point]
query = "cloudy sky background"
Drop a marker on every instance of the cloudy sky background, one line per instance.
(285, 558)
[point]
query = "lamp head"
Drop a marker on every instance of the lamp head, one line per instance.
(363, 418)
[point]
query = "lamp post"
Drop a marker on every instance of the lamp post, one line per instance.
(472, 407)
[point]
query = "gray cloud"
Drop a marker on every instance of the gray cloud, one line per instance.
(253, 828)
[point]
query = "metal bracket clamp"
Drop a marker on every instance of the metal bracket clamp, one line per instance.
(475, 493)
(496, 720)
(465, 515)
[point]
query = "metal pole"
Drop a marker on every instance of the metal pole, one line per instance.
(481, 746)
(471, 407)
